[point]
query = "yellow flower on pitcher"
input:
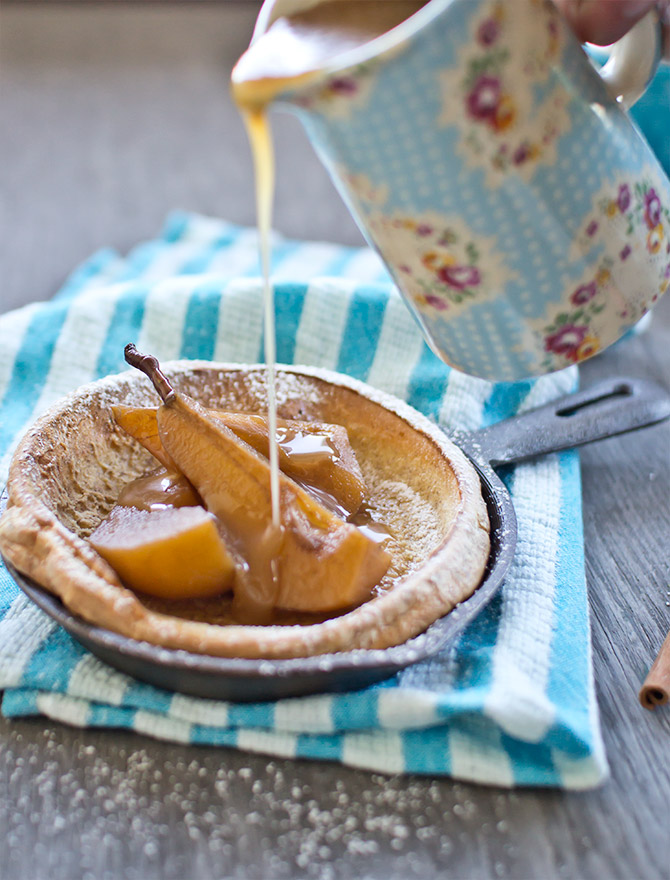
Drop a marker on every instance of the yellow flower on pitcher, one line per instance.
(654, 239)
(587, 348)
(603, 276)
(505, 114)
(434, 260)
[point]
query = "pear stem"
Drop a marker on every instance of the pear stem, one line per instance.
(150, 366)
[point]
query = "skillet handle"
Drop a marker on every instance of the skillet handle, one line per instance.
(613, 406)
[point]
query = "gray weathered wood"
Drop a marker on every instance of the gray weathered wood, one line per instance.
(117, 115)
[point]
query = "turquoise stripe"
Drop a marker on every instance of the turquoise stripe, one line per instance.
(8, 591)
(100, 715)
(213, 736)
(361, 333)
(177, 225)
(123, 328)
(319, 746)
(84, 274)
(289, 302)
(427, 750)
(474, 658)
(355, 711)
(251, 715)
(201, 322)
(17, 703)
(52, 663)
(531, 764)
(147, 698)
(428, 383)
(30, 370)
(567, 687)
(505, 400)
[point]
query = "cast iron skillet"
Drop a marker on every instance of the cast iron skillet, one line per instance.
(604, 410)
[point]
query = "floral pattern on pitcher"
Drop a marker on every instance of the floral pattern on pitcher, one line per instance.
(440, 263)
(630, 225)
(489, 97)
(339, 95)
(362, 189)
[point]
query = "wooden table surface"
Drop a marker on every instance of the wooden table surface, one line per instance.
(113, 115)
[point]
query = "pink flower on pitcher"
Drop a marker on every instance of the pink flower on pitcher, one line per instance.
(459, 277)
(652, 208)
(522, 154)
(584, 294)
(483, 100)
(424, 229)
(343, 85)
(487, 32)
(436, 302)
(625, 252)
(592, 228)
(623, 198)
(566, 341)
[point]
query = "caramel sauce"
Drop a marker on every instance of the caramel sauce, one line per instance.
(291, 49)
(158, 490)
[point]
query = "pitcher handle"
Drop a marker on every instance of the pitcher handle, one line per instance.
(633, 60)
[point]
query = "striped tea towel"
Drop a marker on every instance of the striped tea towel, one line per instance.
(512, 703)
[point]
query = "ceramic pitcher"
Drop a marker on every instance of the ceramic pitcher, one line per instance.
(521, 214)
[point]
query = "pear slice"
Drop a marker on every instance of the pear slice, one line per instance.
(317, 455)
(140, 423)
(313, 562)
(172, 553)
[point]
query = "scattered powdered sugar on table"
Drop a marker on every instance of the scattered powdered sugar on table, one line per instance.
(146, 809)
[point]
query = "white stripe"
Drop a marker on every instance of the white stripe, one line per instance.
(164, 315)
(366, 267)
(399, 348)
(22, 631)
(306, 715)
(267, 742)
(478, 756)
(238, 336)
(77, 349)
(522, 654)
(172, 255)
(92, 680)
(581, 773)
(161, 727)
(13, 326)
(324, 317)
(463, 403)
(381, 751)
(401, 708)
(75, 356)
(60, 707)
(305, 262)
(110, 272)
(549, 388)
(237, 258)
(198, 711)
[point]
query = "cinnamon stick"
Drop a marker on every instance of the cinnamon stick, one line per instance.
(656, 688)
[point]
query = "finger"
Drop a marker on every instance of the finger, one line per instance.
(603, 21)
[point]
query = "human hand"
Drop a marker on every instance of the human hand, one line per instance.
(605, 21)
